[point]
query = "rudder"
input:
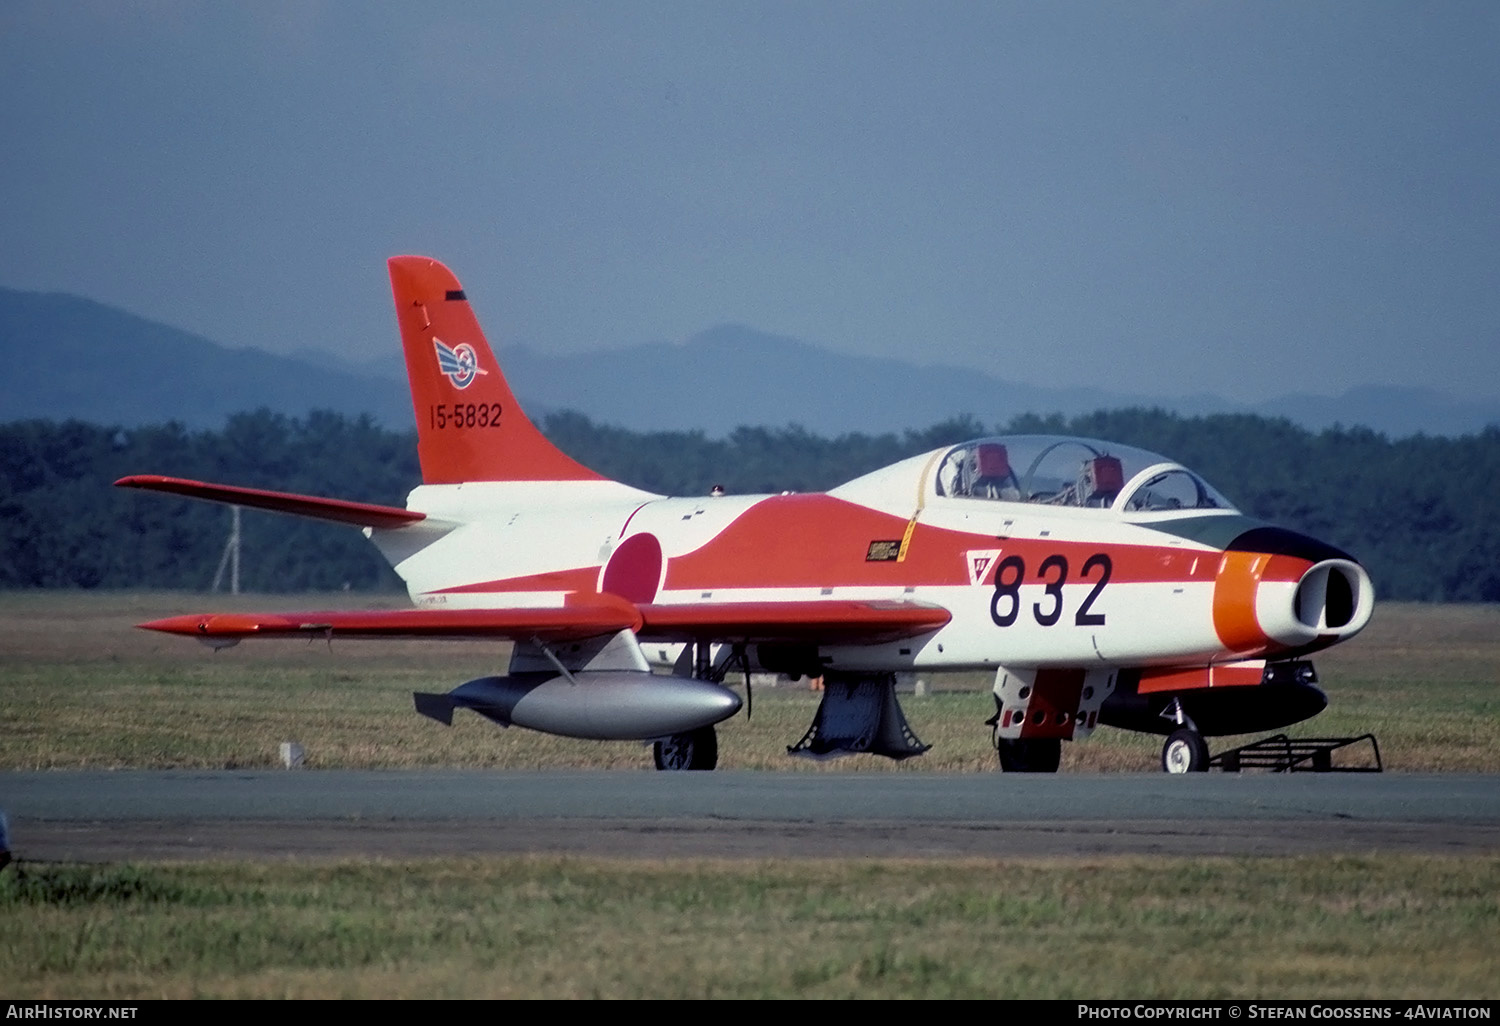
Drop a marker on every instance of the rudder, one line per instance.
(469, 425)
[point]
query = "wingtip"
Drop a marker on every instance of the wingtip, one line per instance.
(216, 630)
(190, 625)
(211, 623)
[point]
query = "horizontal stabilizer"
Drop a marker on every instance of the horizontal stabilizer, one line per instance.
(584, 616)
(828, 622)
(360, 514)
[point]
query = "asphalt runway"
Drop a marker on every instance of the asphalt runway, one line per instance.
(110, 816)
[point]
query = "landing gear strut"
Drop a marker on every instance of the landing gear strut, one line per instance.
(695, 750)
(1184, 752)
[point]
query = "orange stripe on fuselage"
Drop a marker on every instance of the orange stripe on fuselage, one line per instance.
(1240, 577)
(817, 541)
(1234, 600)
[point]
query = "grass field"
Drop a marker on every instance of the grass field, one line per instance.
(567, 927)
(80, 688)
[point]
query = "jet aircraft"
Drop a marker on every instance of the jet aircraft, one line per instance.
(1100, 583)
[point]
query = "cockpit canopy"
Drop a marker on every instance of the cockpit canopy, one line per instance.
(1055, 470)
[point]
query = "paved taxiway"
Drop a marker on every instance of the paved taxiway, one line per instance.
(109, 816)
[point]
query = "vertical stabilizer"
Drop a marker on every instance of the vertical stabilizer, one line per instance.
(469, 425)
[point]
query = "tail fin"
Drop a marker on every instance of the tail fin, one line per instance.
(469, 425)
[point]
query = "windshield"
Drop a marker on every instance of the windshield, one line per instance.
(1080, 472)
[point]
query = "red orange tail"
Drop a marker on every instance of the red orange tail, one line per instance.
(469, 425)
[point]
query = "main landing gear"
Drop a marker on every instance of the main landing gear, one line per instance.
(695, 750)
(698, 749)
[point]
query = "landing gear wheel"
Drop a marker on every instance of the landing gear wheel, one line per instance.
(1184, 752)
(695, 750)
(1035, 755)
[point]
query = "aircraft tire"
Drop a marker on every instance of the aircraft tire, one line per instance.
(1034, 755)
(695, 750)
(1184, 752)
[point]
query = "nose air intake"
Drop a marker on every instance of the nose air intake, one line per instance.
(1329, 602)
(1327, 599)
(1280, 592)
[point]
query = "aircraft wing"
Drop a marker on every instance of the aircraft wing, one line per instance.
(827, 621)
(360, 514)
(583, 616)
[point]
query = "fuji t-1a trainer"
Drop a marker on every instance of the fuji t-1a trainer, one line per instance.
(1100, 583)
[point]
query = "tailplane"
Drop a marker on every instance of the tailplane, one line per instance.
(469, 425)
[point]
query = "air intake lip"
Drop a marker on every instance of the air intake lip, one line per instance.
(1331, 601)
(1332, 596)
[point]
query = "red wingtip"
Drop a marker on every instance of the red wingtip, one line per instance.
(190, 625)
(199, 625)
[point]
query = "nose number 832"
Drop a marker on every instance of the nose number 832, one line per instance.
(1005, 605)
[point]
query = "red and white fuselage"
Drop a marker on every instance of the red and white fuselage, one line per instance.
(1100, 582)
(1035, 585)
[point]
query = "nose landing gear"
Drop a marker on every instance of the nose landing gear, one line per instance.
(1184, 752)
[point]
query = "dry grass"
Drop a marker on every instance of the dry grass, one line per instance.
(1325, 927)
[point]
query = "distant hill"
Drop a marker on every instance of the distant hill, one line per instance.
(69, 357)
(729, 375)
(1390, 409)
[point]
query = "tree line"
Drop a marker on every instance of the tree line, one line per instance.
(1420, 512)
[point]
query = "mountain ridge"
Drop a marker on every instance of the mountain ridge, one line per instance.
(71, 357)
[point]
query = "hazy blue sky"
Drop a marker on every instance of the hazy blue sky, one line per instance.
(1246, 198)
